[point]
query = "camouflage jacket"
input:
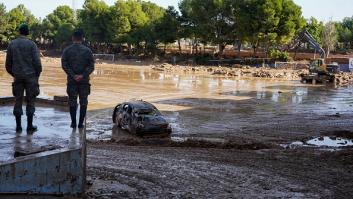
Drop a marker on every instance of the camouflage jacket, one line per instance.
(77, 59)
(22, 59)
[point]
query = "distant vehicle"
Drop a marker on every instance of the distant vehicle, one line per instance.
(320, 71)
(140, 118)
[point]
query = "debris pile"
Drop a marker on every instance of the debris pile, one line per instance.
(343, 78)
(237, 71)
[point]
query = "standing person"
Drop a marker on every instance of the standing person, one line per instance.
(78, 63)
(24, 65)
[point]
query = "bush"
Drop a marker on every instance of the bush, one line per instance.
(279, 55)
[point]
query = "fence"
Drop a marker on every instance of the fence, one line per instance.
(104, 56)
(290, 65)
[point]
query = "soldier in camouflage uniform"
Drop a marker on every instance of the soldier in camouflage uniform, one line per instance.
(78, 63)
(23, 63)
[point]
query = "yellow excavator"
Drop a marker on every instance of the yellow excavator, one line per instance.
(319, 71)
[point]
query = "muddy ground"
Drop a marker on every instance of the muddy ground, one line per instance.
(154, 172)
(231, 135)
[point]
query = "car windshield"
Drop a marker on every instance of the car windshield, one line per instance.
(146, 112)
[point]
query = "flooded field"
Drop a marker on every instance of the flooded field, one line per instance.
(206, 106)
(250, 118)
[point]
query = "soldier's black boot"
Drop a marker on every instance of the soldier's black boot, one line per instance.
(83, 110)
(18, 124)
(73, 110)
(30, 126)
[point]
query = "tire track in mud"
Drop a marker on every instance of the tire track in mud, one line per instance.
(196, 173)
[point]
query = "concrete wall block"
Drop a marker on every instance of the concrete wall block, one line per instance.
(54, 172)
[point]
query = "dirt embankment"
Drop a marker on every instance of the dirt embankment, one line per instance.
(237, 71)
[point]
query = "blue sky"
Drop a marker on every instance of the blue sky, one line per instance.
(322, 9)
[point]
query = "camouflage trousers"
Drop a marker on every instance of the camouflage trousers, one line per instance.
(19, 86)
(78, 90)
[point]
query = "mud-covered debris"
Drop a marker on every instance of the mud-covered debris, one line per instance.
(343, 78)
(237, 71)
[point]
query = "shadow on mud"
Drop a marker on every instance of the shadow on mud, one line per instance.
(123, 137)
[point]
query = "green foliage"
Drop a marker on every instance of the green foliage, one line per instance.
(315, 28)
(279, 55)
(16, 17)
(52, 23)
(142, 25)
(128, 19)
(64, 33)
(96, 21)
(169, 26)
(3, 24)
(268, 22)
(345, 31)
(135, 22)
(291, 22)
(209, 21)
(37, 31)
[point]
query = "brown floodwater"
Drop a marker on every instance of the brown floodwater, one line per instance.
(202, 105)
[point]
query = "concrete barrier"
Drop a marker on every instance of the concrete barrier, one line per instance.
(59, 170)
(53, 172)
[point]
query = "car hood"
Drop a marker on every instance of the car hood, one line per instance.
(154, 120)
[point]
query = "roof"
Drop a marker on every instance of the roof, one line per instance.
(139, 104)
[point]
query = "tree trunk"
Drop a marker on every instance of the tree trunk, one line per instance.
(221, 50)
(179, 45)
(129, 47)
(239, 48)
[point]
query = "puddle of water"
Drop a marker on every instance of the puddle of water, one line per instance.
(53, 130)
(199, 139)
(330, 142)
(325, 142)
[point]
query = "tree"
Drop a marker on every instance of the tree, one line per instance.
(315, 28)
(96, 21)
(258, 20)
(37, 32)
(148, 32)
(268, 22)
(291, 22)
(128, 20)
(210, 20)
(345, 31)
(3, 24)
(188, 25)
(169, 27)
(17, 16)
(64, 33)
(329, 37)
(51, 24)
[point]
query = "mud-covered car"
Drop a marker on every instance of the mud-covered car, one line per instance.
(141, 118)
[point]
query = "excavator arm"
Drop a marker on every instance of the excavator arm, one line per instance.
(305, 36)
